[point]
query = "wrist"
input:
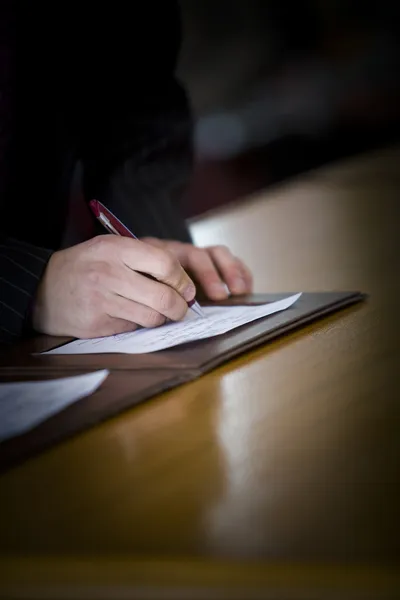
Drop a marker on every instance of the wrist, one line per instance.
(34, 312)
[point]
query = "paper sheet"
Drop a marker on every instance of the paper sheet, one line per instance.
(218, 320)
(23, 405)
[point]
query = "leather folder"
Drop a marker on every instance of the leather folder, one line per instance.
(135, 378)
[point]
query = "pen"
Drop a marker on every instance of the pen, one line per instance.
(114, 225)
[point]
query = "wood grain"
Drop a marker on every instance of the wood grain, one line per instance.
(287, 456)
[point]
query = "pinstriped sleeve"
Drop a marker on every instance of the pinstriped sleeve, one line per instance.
(21, 268)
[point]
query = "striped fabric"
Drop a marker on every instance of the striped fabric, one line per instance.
(21, 266)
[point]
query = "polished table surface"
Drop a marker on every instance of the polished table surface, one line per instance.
(277, 473)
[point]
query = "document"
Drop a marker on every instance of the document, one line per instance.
(217, 320)
(23, 405)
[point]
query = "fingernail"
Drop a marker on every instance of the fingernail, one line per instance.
(189, 292)
(239, 285)
(218, 289)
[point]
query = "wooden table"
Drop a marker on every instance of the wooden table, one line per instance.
(276, 476)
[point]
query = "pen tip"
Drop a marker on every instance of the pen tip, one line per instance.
(197, 309)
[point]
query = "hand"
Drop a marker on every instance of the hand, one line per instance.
(214, 268)
(94, 289)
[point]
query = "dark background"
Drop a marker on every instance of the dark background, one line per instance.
(278, 88)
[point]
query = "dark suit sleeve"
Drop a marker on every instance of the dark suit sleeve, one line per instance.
(21, 267)
(145, 167)
(135, 122)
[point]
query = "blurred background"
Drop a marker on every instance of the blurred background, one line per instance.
(280, 87)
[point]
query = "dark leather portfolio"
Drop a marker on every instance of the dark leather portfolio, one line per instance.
(138, 377)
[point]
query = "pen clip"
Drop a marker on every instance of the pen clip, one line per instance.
(108, 220)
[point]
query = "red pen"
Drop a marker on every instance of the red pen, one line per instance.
(114, 225)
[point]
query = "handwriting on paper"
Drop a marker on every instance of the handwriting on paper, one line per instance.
(217, 320)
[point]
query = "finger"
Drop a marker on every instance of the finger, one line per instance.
(157, 296)
(180, 250)
(154, 242)
(201, 266)
(161, 264)
(247, 275)
(108, 326)
(128, 310)
(234, 273)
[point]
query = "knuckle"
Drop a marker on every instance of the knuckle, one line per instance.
(152, 318)
(167, 299)
(221, 248)
(97, 273)
(168, 263)
(100, 242)
(93, 275)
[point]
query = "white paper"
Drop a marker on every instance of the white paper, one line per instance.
(23, 405)
(217, 320)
